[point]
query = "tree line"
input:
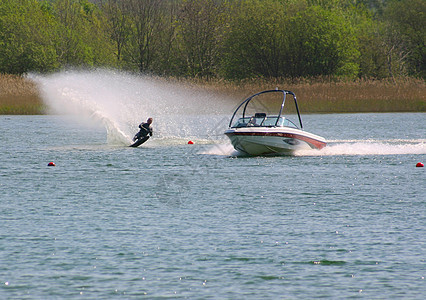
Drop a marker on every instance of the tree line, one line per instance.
(217, 38)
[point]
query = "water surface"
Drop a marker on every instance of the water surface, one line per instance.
(172, 220)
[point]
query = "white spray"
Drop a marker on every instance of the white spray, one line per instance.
(120, 101)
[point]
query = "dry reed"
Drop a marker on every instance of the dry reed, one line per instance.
(19, 95)
(328, 96)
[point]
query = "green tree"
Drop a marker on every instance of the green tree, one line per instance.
(322, 42)
(289, 39)
(168, 58)
(256, 44)
(80, 36)
(372, 60)
(405, 22)
(25, 37)
(201, 26)
(142, 46)
(118, 25)
(204, 38)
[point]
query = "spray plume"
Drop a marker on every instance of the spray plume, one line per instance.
(120, 101)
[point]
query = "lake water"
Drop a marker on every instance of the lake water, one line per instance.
(172, 220)
(179, 221)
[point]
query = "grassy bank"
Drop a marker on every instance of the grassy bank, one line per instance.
(19, 95)
(322, 96)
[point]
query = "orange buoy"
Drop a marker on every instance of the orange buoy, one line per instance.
(420, 165)
(51, 164)
(190, 143)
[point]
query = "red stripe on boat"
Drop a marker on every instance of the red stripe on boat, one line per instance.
(316, 143)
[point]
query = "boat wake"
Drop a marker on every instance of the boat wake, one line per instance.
(369, 147)
(344, 147)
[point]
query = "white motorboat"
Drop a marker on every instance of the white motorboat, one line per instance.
(263, 134)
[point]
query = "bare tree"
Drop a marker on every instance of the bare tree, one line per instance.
(118, 25)
(201, 23)
(394, 48)
(145, 16)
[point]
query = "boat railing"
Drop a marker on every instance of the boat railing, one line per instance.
(271, 121)
(245, 103)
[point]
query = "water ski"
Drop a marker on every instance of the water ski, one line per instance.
(140, 141)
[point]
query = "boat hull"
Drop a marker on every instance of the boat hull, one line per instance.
(264, 141)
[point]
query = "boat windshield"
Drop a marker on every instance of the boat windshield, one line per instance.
(263, 122)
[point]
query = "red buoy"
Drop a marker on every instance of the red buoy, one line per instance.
(420, 165)
(51, 164)
(190, 142)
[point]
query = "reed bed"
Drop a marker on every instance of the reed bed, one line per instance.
(19, 95)
(328, 96)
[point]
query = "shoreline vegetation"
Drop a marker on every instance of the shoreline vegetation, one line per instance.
(324, 51)
(20, 95)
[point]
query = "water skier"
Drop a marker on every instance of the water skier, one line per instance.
(145, 130)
